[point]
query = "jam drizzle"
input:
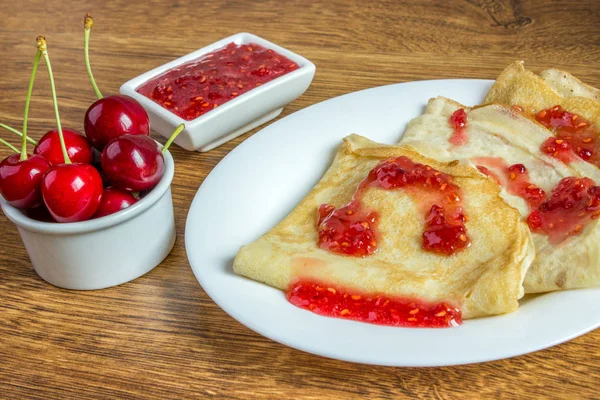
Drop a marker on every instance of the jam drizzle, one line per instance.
(514, 178)
(347, 230)
(519, 185)
(193, 89)
(574, 136)
(352, 230)
(458, 121)
(382, 310)
(574, 202)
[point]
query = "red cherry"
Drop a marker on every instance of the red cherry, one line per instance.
(72, 192)
(20, 180)
(133, 162)
(114, 200)
(113, 116)
(79, 148)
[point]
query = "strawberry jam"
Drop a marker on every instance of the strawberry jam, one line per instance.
(194, 88)
(458, 121)
(336, 302)
(519, 185)
(352, 230)
(574, 136)
(347, 230)
(514, 178)
(573, 203)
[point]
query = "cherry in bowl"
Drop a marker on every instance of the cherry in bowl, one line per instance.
(78, 147)
(135, 163)
(111, 116)
(114, 200)
(72, 192)
(20, 180)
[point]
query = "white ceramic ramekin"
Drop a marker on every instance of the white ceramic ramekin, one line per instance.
(102, 252)
(234, 117)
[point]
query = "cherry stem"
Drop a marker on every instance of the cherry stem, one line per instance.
(88, 23)
(43, 47)
(16, 132)
(10, 146)
(38, 55)
(172, 137)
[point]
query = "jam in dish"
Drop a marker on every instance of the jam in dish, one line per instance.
(352, 229)
(194, 88)
(336, 302)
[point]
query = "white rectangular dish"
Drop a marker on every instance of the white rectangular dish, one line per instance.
(235, 117)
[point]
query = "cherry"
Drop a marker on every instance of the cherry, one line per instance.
(134, 162)
(20, 175)
(20, 180)
(79, 148)
(111, 116)
(114, 200)
(71, 192)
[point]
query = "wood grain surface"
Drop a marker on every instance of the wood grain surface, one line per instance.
(161, 336)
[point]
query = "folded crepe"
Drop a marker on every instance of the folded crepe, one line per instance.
(497, 138)
(569, 108)
(482, 279)
(516, 86)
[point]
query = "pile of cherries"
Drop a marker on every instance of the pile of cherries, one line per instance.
(71, 177)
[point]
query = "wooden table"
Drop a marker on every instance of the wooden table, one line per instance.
(161, 336)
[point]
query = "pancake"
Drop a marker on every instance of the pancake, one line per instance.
(518, 86)
(498, 137)
(562, 103)
(482, 279)
(566, 85)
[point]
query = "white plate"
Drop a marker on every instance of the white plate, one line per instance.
(261, 181)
